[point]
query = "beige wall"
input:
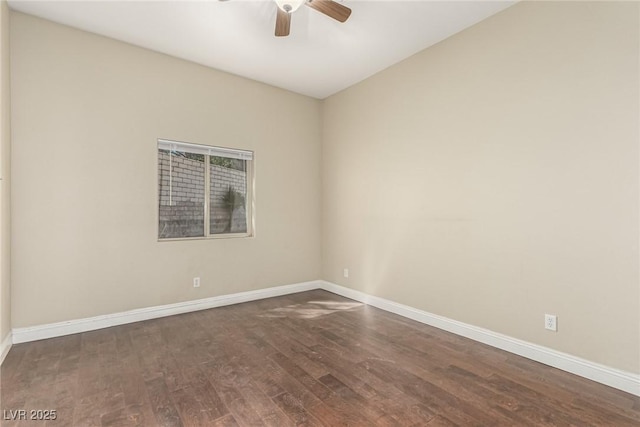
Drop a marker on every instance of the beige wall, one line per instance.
(5, 175)
(494, 178)
(86, 114)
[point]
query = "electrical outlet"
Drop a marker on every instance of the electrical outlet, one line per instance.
(196, 282)
(551, 322)
(345, 272)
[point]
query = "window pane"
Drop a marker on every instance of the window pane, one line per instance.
(228, 212)
(181, 181)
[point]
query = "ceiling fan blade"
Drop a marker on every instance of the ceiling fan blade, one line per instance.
(283, 23)
(331, 9)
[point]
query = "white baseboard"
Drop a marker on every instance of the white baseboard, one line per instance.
(621, 380)
(5, 346)
(615, 378)
(58, 329)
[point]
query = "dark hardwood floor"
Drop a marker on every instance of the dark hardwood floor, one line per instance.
(312, 358)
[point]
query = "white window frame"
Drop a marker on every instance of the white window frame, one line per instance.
(208, 151)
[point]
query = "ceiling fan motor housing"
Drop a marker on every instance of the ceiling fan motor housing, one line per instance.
(290, 6)
(287, 7)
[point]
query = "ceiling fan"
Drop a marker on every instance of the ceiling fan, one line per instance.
(287, 7)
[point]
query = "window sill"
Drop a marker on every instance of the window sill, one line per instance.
(211, 237)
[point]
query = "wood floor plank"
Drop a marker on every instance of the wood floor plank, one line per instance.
(312, 358)
(360, 405)
(316, 387)
(294, 408)
(270, 414)
(161, 404)
(128, 416)
(192, 412)
(226, 421)
(205, 392)
(437, 400)
(289, 346)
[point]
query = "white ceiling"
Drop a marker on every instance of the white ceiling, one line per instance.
(318, 59)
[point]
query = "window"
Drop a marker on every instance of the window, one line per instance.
(203, 191)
